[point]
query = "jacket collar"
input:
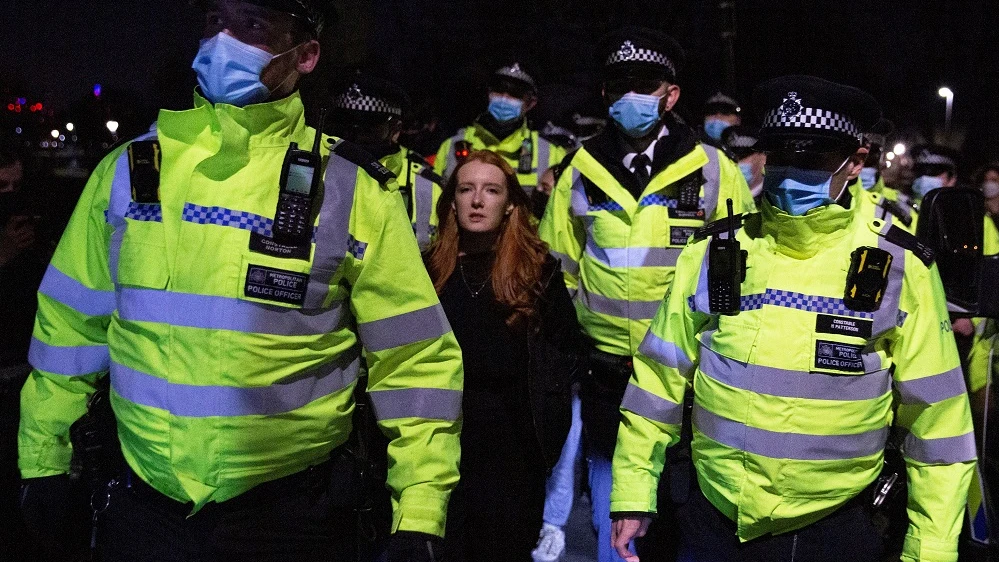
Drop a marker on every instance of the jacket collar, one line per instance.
(268, 123)
(509, 145)
(804, 236)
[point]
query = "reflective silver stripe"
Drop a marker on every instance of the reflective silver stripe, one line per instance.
(648, 405)
(196, 401)
(222, 313)
(632, 310)
(787, 445)
(72, 361)
(712, 181)
(423, 200)
(886, 317)
(70, 292)
(120, 197)
(932, 389)
(633, 257)
(544, 154)
(426, 403)
(332, 234)
(795, 384)
(943, 450)
(578, 202)
(700, 298)
(569, 265)
(665, 352)
(402, 329)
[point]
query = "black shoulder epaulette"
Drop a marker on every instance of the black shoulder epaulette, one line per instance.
(897, 211)
(717, 227)
(903, 239)
(427, 172)
(357, 155)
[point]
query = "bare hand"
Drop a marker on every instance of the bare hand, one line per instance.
(963, 326)
(624, 530)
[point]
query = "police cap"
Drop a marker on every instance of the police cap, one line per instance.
(878, 135)
(511, 79)
(315, 14)
(740, 140)
(809, 114)
(721, 104)
(638, 52)
(366, 98)
(934, 159)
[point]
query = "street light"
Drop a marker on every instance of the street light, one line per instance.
(947, 94)
(55, 133)
(112, 126)
(70, 127)
(899, 149)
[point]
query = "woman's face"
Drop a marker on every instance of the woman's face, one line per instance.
(481, 199)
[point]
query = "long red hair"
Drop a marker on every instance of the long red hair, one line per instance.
(520, 254)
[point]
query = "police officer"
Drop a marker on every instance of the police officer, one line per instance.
(870, 175)
(622, 209)
(795, 353)
(720, 113)
(739, 143)
(369, 111)
(228, 283)
(504, 129)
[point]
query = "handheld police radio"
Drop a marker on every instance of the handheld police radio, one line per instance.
(726, 271)
(300, 177)
(526, 161)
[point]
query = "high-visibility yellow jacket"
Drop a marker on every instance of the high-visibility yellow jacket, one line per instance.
(544, 154)
(420, 188)
(618, 254)
(230, 367)
(794, 394)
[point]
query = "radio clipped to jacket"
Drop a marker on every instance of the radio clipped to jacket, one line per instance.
(726, 270)
(300, 177)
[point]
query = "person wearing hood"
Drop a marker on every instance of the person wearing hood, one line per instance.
(504, 129)
(809, 334)
(622, 208)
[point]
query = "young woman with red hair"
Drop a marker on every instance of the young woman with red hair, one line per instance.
(507, 303)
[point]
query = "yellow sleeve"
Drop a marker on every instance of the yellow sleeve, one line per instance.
(562, 230)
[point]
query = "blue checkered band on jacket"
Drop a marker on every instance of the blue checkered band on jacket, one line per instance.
(228, 217)
(151, 212)
(607, 206)
(356, 247)
(811, 118)
(662, 201)
(800, 301)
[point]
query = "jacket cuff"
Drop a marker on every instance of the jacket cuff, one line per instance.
(917, 549)
(46, 460)
(421, 513)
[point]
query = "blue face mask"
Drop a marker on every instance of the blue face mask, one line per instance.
(926, 184)
(229, 70)
(636, 114)
(505, 109)
(714, 127)
(868, 177)
(797, 191)
(747, 172)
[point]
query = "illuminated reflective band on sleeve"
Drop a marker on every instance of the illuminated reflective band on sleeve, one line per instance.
(72, 361)
(332, 234)
(778, 445)
(424, 200)
(426, 403)
(403, 329)
(943, 450)
(544, 155)
(577, 201)
(666, 353)
(633, 310)
(70, 292)
(569, 265)
(648, 405)
(932, 389)
(796, 384)
(207, 401)
(633, 257)
(221, 313)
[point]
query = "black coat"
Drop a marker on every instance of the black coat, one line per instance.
(556, 351)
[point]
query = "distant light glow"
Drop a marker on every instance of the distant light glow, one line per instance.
(21, 101)
(19, 130)
(890, 156)
(112, 126)
(945, 92)
(55, 133)
(97, 90)
(62, 137)
(70, 127)
(899, 149)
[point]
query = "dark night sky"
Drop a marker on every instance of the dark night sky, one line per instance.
(901, 51)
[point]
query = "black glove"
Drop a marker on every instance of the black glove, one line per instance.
(56, 514)
(410, 546)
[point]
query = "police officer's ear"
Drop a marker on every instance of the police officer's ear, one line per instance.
(669, 100)
(950, 179)
(308, 56)
(856, 163)
(530, 100)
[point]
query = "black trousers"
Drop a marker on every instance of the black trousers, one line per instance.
(308, 516)
(846, 534)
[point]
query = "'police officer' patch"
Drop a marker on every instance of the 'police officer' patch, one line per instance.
(267, 283)
(839, 356)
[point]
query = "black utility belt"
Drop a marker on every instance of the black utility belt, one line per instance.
(601, 359)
